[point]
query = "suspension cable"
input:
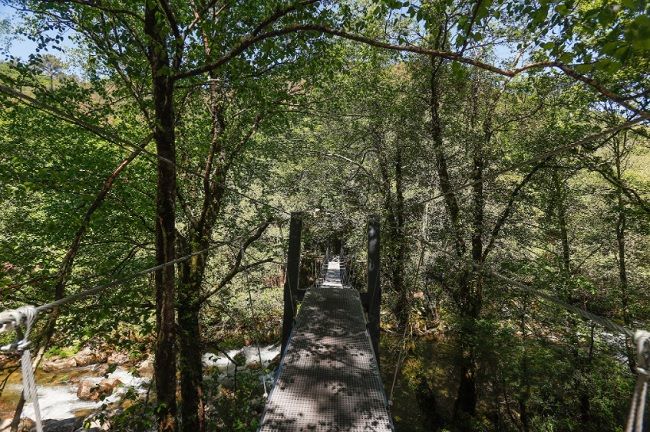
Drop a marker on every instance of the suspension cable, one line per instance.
(600, 320)
(8, 323)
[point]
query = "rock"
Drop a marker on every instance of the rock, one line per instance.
(26, 425)
(107, 386)
(94, 424)
(146, 366)
(275, 362)
(87, 357)
(117, 358)
(9, 362)
(85, 391)
(101, 369)
(59, 364)
(66, 425)
(88, 390)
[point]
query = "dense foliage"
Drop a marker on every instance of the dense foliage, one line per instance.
(501, 143)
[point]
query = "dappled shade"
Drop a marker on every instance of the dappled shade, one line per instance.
(328, 378)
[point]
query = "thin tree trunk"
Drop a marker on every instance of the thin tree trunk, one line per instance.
(524, 375)
(400, 245)
(164, 135)
(581, 364)
(621, 224)
(189, 307)
(451, 202)
(471, 286)
(191, 367)
(585, 396)
(560, 207)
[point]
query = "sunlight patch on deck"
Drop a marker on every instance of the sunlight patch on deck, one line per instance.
(328, 378)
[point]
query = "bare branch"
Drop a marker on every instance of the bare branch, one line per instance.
(237, 267)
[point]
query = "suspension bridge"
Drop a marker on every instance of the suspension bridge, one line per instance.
(328, 378)
(329, 375)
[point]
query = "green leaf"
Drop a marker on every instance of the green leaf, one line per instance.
(562, 9)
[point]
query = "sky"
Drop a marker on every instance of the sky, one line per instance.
(20, 47)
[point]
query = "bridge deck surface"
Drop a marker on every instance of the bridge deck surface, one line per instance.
(328, 378)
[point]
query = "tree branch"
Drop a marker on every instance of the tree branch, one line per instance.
(279, 14)
(608, 175)
(253, 38)
(96, 4)
(237, 267)
(72, 119)
(507, 211)
(546, 155)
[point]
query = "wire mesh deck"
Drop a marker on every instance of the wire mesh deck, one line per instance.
(328, 378)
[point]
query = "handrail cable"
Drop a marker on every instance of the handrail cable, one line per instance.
(602, 321)
(11, 319)
(7, 321)
(641, 339)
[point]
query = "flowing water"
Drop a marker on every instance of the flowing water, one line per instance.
(57, 391)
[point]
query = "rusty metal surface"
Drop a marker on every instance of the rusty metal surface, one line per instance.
(328, 378)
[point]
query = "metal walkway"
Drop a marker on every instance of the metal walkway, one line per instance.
(328, 378)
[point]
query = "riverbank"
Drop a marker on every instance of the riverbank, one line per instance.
(71, 391)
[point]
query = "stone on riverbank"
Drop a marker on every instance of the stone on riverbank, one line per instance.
(117, 358)
(146, 367)
(87, 357)
(90, 390)
(59, 364)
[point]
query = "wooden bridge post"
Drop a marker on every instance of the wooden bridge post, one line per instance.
(374, 285)
(292, 277)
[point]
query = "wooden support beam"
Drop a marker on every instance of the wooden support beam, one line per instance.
(292, 277)
(374, 283)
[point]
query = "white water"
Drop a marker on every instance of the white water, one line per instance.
(60, 402)
(250, 353)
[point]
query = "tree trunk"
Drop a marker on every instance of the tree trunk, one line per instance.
(192, 272)
(451, 202)
(581, 364)
(395, 241)
(585, 395)
(164, 135)
(471, 284)
(191, 367)
(191, 349)
(560, 208)
(524, 374)
(465, 405)
(621, 223)
(399, 240)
